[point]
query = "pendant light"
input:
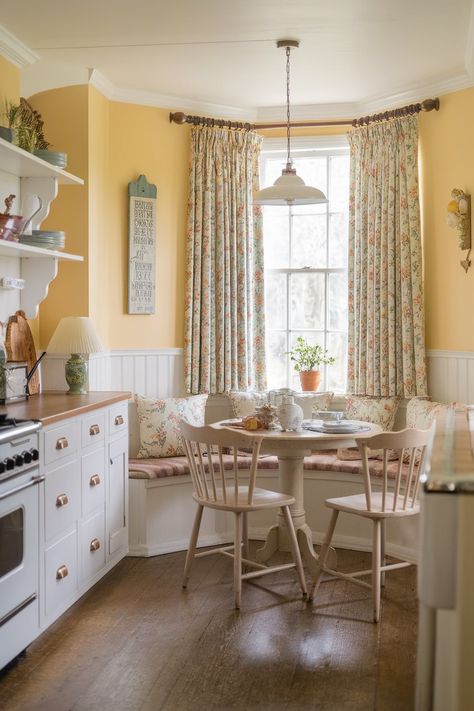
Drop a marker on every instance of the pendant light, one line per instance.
(289, 188)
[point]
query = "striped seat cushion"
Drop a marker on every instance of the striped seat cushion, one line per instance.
(326, 461)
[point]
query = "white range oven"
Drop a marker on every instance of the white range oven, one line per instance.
(19, 536)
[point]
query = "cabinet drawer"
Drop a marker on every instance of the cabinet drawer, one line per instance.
(92, 545)
(62, 493)
(93, 481)
(118, 417)
(60, 569)
(60, 442)
(93, 428)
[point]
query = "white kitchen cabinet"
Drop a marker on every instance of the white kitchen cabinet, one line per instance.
(117, 498)
(29, 178)
(85, 509)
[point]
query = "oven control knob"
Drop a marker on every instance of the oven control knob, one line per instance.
(27, 457)
(18, 459)
(2, 467)
(34, 454)
(9, 463)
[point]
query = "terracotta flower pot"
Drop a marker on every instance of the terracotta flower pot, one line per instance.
(310, 379)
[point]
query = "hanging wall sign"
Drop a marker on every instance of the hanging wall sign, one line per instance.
(141, 246)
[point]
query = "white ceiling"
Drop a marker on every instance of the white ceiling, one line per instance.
(221, 55)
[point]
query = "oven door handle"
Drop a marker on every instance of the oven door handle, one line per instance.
(35, 480)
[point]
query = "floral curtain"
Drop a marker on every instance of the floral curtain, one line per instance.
(386, 319)
(224, 307)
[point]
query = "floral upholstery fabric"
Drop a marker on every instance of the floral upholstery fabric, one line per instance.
(381, 411)
(244, 403)
(160, 435)
(224, 279)
(421, 413)
(386, 348)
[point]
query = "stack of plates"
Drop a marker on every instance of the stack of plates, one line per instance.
(54, 157)
(49, 239)
(342, 427)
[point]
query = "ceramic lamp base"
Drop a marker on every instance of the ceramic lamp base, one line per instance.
(76, 374)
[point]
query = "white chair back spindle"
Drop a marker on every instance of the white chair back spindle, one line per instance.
(207, 474)
(412, 447)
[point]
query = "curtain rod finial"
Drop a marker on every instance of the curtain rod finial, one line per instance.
(177, 117)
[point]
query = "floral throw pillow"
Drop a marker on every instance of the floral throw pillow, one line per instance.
(160, 435)
(244, 403)
(421, 413)
(379, 410)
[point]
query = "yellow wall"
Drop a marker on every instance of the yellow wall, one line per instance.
(110, 144)
(447, 159)
(9, 83)
(65, 114)
(100, 277)
(142, 141)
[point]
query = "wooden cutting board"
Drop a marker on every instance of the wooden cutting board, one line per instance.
(20, 346)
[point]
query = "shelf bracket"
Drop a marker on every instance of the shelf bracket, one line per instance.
(31, 190)
(38, 273)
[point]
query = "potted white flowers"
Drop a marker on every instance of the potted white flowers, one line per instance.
(307, 358)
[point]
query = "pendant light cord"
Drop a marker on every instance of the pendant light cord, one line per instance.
(288, 157)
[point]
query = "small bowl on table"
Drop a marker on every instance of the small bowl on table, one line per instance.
(328, 415)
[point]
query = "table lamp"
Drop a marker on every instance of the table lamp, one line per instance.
(75, 335)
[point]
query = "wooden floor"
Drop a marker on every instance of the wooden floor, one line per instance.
(137, 641)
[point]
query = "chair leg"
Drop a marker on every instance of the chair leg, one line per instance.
(245, 536)
(376, 559)
(382, 549)
(323, 553)
(192, 545)
(295, 549)
(238, 559)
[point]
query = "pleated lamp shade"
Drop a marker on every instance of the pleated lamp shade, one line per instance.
(75, 334)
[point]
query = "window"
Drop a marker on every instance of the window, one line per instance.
(306, 260)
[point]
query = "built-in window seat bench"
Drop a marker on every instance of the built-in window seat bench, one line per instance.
(162, 508)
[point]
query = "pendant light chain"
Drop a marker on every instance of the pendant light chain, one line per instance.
(288, 158)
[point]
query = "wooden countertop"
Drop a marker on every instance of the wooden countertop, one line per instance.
(49, 407)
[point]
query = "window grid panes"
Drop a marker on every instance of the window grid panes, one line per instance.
(306, 268)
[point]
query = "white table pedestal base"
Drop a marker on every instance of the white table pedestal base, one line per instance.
(291, 476)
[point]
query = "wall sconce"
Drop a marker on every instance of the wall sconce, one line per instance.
(459, 217)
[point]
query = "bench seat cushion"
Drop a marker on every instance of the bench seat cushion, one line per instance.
(321, 461)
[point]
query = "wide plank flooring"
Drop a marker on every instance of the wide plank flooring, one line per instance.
(138, 642)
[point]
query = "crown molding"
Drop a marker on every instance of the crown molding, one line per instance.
(167, 101)
(418, 92)
(15, 51)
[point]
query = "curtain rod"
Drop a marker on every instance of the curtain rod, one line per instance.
(427, 105)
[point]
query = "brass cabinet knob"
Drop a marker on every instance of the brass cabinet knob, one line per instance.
(62, 500)
(119, 420)
(62, 572)
(94, 430)
(94, 480)
(62, 443)
(95, 545)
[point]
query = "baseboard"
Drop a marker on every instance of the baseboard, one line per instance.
(147, 551)
(260, 534)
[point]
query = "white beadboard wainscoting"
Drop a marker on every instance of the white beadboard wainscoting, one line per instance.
(154, 373)
(451, 375)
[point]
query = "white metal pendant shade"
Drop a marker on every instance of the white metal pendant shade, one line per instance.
(289, 188)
